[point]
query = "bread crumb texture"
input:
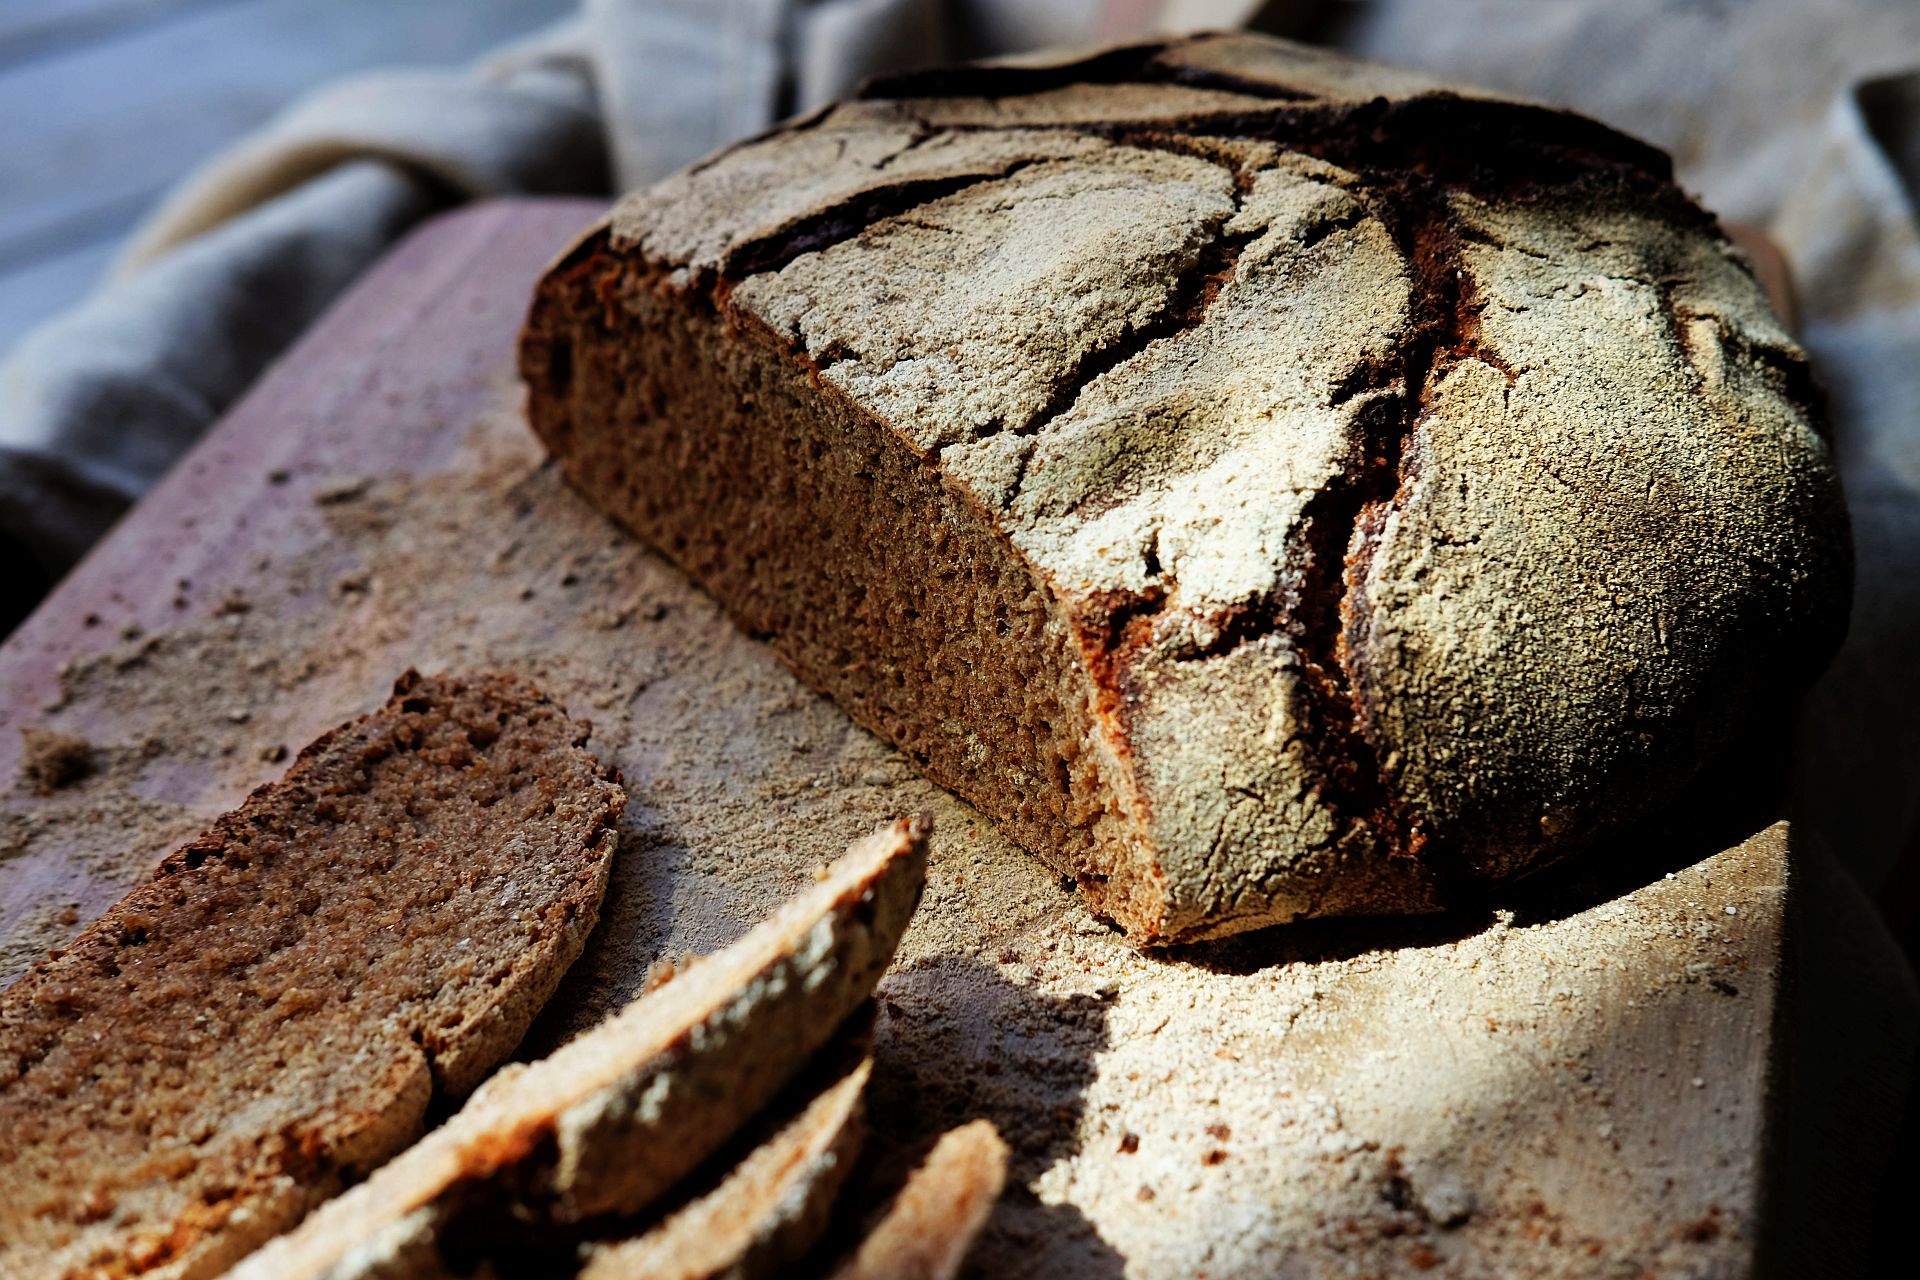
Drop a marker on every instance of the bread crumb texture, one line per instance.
(273, 1011)
(1269, 486)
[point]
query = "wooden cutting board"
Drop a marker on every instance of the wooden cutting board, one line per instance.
(1570, 1080)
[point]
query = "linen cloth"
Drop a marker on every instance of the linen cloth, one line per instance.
(1799, 117)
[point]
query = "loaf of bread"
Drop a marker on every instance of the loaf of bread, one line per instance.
(272, 1013)
(1268, 485)
(612, 1121)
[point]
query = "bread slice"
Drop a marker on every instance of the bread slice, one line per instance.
(615, 1118)
(273, 1011)
(767, 1211)
(1266, 484)
(931, 1225)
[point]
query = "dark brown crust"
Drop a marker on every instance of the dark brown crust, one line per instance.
(1412, 160)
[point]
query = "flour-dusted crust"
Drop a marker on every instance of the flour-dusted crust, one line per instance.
(766, 1212)
(928, 1230)
(612, 1120)
(272, 1013)
(1268, 484)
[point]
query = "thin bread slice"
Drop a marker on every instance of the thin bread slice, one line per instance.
(932, 1224)
(272, 1012)
(766, 1211)
(613, 1119)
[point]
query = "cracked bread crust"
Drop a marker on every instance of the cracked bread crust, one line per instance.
(1267, 484)
(273, 1012)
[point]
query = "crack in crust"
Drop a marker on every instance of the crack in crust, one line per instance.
(1188, 302)
(1410, 157)
(846, 219)
(1422, 167)
(1342, 526)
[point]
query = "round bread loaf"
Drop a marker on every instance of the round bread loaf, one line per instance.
(1268, 485)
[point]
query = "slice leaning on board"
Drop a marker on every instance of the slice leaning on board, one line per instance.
(767, 1211)
(610, 1122)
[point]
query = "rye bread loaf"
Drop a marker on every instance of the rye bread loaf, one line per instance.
(610, 1122)
(1269, 485)
(273, 1011)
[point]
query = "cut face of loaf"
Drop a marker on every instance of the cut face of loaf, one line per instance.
(273, 1012)
(1268, 485)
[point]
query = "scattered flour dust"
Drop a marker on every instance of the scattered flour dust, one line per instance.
(1478, 1096)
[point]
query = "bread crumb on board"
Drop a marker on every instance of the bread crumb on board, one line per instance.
(51, 760)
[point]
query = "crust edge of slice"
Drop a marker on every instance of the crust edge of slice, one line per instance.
(767, 1211)
(675, 1073)
(931, 1226)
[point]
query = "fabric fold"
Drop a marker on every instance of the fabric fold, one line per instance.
(96, 404)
